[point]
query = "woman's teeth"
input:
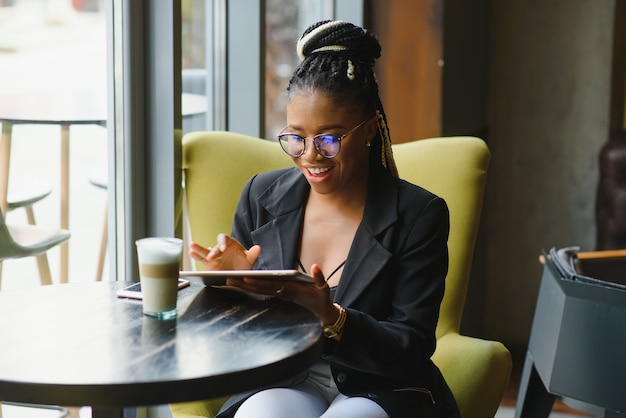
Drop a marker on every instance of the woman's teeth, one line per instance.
(318, 170)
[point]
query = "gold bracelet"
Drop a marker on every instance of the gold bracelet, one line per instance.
(335, 329)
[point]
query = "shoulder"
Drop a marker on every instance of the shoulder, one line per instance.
(268, 190)
(411, 195)
(422, 209)
(406, 194)
(258, 183)
(408, 189)
(398, 203)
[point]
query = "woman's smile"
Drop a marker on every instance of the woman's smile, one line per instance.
(318, 171)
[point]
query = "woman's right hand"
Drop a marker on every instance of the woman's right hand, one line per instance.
(227, 254)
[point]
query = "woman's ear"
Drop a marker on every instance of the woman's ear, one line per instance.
(372, 128)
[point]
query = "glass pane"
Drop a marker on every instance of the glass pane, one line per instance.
(195, 74)
(53, 74)
(285, 21)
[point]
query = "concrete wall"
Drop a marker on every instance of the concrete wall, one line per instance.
(548, 117)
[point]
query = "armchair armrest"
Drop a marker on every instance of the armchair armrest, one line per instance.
(476, 370)
(197, 409)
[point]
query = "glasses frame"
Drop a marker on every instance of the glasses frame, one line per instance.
(316, 139)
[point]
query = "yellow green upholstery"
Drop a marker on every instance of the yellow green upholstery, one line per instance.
(217, 164)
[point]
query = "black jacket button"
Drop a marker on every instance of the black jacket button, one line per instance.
(341, 377)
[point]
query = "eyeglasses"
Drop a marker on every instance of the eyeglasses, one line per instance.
(326, 145)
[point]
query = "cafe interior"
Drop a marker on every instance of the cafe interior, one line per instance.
(97, 99)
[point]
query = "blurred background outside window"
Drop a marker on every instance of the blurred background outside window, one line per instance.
(285, 20)
(55, 47)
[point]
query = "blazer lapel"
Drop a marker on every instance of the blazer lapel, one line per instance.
(367, 255)
(284, 201)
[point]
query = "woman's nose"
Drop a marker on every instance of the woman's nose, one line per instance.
(310, 152)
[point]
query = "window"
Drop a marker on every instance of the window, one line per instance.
(144, 55)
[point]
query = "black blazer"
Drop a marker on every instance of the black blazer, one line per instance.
(391, 286)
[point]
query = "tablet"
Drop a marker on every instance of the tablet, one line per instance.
(218, 277)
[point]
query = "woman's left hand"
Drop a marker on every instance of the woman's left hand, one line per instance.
(315, 297)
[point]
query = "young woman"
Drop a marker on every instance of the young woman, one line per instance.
(375, 245)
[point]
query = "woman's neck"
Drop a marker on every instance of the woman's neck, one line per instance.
(347, 202)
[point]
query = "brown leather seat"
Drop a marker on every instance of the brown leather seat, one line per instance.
(611, 196)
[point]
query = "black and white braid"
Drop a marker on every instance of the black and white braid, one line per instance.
(338, 59)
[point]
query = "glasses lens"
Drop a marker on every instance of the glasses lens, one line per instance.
(327, 145)
(292, 144)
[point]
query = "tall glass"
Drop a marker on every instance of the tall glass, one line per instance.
(159, 264)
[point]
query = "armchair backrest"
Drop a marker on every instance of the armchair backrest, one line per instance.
(217, 165)
(454, 168)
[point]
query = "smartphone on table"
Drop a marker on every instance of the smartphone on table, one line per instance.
(133, 291)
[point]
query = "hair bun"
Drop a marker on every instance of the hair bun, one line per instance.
(339, 38)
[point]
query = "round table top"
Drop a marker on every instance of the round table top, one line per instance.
(78, 344)
(72, 106)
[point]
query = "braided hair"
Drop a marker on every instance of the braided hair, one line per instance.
(338, 60)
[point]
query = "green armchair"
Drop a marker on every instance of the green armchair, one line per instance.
(454, 168)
